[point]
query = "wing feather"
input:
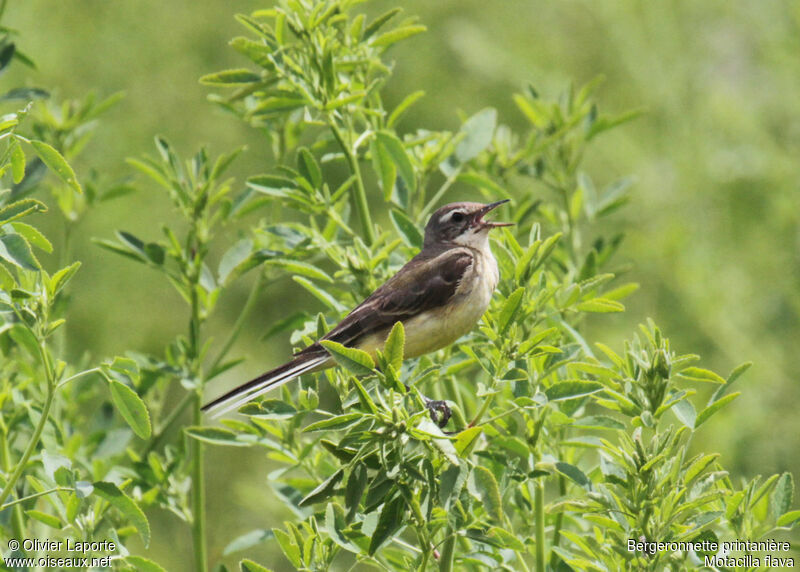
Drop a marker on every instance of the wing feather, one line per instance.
(424, 283)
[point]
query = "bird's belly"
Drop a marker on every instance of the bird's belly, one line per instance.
(442, 327)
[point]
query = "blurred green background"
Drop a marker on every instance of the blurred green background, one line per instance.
(713, 231)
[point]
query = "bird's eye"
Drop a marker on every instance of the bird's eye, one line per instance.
(458, 217)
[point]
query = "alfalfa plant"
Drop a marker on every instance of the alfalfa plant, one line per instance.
(58, 463)
(561, 449)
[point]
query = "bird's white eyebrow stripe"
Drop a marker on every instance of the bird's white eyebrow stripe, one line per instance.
(447, 216)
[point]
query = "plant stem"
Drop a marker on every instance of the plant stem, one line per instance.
(562, 489)
(33, 496)
(198, 493)
(362, 207)
(448, 551)
(17, 522)
(173, 416)
(195, 370)
(538, 508)
(240, 321)
(435, 199)
(79, 375)
(37, 432)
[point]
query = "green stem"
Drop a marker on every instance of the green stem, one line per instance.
(195, 370)
(437, 197)
(482, 411)
(362, 207)
(238, 326)
(78, 375)
(448, 551)
(33, 496)
(198, 493)
(562, 489)
(538, 509)
(17, 522)
(173, 416)
(37, 432)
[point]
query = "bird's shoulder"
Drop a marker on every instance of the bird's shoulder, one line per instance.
(427, 281)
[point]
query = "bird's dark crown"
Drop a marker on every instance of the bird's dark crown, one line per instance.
(457, 219)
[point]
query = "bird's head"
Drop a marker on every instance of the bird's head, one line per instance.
(462, 224)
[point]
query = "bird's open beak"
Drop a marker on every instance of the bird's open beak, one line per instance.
(490, 224)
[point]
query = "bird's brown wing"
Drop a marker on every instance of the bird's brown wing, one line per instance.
(424, 283)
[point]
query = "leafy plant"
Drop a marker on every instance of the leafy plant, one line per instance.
(561, 447)
(59, 466)
(561, 450)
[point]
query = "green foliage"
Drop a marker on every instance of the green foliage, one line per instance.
(560, 447)
(368, 473)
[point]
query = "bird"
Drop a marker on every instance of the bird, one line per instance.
(439, 295)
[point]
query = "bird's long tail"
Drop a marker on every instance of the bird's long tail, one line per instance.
(240, 395)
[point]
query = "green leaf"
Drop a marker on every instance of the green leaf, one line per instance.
(574, 474)
(697, 467)
(395, 343)
(141, 564)
(15, 249)
(356, 485)
(489, 490)
(572, 389)
(378, 22)
(336, 422)
(466, 440)
(406, 228)
(598, 422)
(401, 108)
(131, 407)
(308, 167)
(389, 521)
(354, 360)
(319, 293)
(782, 495)
(505, 538)
(700, 374)
(713, 408)
(215, 436)
(510, 308)
(231, 77)
(19, 209)
(397, 151)
(17, 161)
(233, 258)
(247, 540)
(685, 413)
(275, 105)
(451, 483)
(302, 268)
(734, 375)
(440, 440)
(324, 490)
(33, 236)
(129, 509)
(62, 277)
(477, 132)
(788, 518)
(393, 36)
(248, 565)
(481, 181)
(384, 167)
(56, 163)
(601, 305)
(289, 548)
(7, 281)
(48, 519)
